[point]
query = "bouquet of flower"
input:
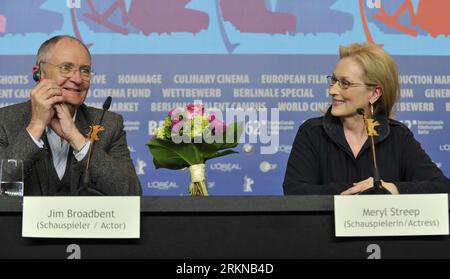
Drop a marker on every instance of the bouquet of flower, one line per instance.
(189, 137)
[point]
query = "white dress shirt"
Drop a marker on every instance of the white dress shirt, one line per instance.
(60, 150)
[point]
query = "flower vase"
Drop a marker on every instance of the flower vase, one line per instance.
(197, 187)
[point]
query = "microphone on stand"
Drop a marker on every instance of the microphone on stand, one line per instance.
(93, 137)
(377, 188)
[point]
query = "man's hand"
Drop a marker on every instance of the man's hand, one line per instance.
(44, 96)
(358, 187)
(64, 126)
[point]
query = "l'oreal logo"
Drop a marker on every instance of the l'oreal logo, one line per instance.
(162, 185)
(225, 167)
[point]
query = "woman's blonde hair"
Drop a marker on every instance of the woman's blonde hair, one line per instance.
(380, 69)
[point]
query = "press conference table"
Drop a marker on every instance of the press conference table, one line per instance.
(222, 227)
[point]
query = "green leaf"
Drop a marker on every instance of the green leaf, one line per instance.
(230, 137)
(167, 154)
(220, 154)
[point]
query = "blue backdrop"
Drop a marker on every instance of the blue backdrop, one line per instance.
(154, 55)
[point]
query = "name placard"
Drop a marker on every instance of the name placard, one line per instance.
(81, 217)
(391, 215)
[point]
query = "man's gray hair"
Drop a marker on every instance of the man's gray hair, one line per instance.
(46, 48)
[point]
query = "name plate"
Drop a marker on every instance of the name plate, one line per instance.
(391, 215)
(81, 217)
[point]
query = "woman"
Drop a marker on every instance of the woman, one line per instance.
(332, 154)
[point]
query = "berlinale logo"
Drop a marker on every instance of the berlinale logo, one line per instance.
(141, 164)
(248, 182)
(373, 4)
(73, 4)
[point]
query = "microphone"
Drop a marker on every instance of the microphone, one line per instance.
(93, 137)
(377, 186)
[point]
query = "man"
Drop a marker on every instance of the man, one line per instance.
(48, 132)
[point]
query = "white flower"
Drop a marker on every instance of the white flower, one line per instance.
(160, 133)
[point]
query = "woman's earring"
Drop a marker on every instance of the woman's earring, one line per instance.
(371, 109)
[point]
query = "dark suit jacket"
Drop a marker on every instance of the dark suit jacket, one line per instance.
(111, 169)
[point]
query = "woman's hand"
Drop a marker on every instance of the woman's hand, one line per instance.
(358, 187)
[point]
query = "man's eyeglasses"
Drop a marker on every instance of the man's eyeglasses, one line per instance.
(345, 84)
(69, 69)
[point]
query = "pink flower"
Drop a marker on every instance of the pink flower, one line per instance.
(176, 126)
(212, 116)
(194, 110)
(175, 113)
(218, 126)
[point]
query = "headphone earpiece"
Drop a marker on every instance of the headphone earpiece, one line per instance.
(37, 76)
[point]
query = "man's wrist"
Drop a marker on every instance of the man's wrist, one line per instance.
(78, 142)
(35, 129)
